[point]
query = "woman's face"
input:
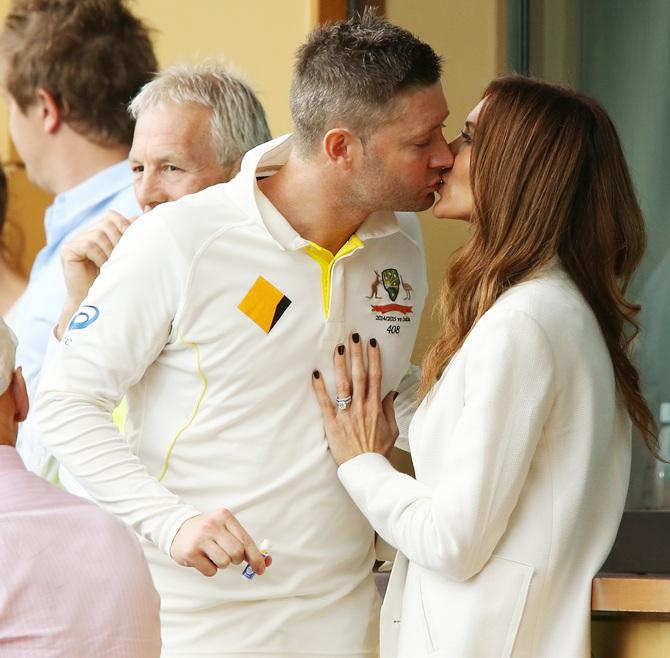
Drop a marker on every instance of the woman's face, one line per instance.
(455, 200)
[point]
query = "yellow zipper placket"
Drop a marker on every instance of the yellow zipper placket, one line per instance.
(327, 261)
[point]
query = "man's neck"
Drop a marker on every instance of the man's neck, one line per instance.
(313, 206)
(7, 431)
(78, 159)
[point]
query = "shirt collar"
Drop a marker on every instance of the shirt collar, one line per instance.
(266, 160)
(263, 161)
(277, 225)
(67, 208)
(10, 459)
(378, 225)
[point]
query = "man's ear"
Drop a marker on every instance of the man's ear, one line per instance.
(49, 110)
(342, 147)
(20, 393)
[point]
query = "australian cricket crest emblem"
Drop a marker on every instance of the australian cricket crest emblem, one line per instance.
(391, 282)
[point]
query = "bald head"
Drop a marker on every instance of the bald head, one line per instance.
(7, 355)
(13, 395)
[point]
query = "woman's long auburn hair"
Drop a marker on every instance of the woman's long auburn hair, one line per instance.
(549, 178)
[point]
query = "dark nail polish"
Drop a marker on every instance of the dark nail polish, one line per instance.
(395, 395)
(340, 349)
(373, 342)
(355, 337)
(316, 374)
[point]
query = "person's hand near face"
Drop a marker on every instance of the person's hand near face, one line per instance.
(83, 256)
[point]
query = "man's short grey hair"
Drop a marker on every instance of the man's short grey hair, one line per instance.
(348, 74)
(238, 120)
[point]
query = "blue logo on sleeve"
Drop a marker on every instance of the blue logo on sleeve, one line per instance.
(84, 317)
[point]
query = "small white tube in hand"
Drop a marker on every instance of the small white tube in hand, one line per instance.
(264, 547)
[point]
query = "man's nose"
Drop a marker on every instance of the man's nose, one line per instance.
(443, 158)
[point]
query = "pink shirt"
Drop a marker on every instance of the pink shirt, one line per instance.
(73, 579)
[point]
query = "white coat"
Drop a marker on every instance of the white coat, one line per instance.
(522, 455)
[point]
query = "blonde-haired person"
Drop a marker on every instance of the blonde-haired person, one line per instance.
(521, 443)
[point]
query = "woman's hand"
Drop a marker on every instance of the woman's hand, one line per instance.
(366, 424)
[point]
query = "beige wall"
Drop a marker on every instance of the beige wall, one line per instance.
(259, 37)
(468, 36)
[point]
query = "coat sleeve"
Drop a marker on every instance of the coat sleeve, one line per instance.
(405, 405)
(119, 331)
(454, 527)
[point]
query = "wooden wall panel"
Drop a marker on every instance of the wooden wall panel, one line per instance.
(337, 10)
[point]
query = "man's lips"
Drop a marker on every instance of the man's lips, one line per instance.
(442, 183)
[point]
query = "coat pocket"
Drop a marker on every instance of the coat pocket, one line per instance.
(478, 618)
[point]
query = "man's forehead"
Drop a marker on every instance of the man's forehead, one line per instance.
(171, 132)
(173, 119)
(423, 107)
(158, 143)
(431, 96)
(174, 154)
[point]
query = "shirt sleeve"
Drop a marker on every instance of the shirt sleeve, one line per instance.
(454, 526)
(120, 329)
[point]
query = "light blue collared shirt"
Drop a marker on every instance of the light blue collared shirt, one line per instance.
(41, 304)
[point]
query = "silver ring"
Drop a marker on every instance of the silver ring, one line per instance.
(343, 403)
